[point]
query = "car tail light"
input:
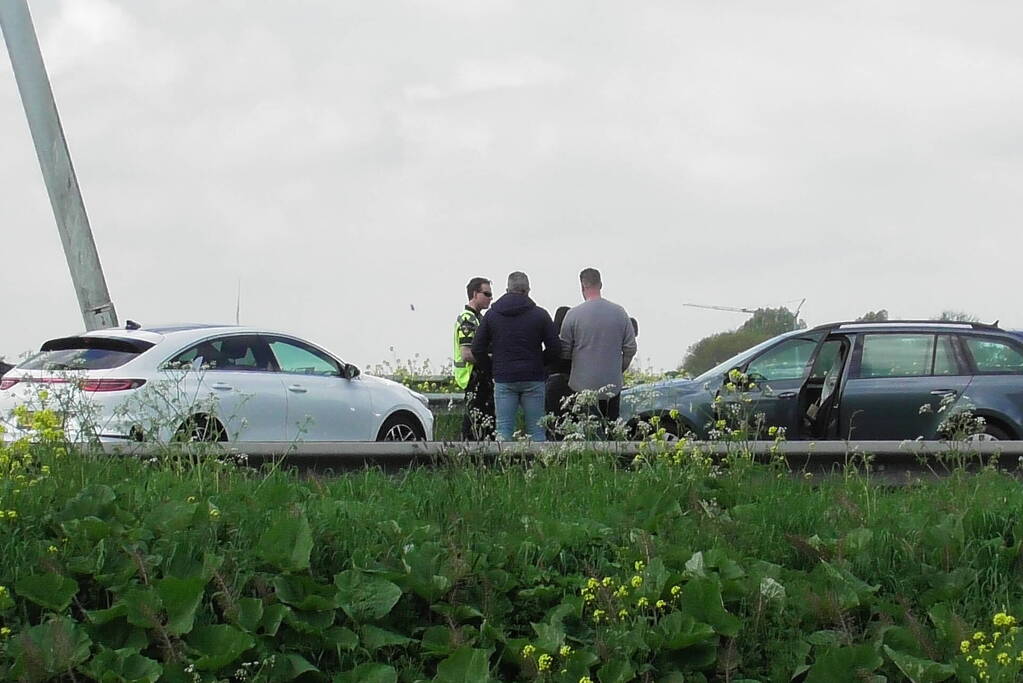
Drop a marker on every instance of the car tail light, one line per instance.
(111, 384)
(7, 383)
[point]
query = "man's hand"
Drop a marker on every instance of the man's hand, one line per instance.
(467, 354)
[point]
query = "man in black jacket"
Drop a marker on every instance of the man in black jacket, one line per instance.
(520, 337)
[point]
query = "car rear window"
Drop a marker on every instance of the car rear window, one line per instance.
(84, 353)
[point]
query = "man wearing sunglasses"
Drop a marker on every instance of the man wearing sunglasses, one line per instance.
(473, 374)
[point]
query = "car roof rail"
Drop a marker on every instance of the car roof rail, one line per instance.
(847, 324)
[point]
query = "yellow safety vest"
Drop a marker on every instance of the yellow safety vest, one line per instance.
(465, 331)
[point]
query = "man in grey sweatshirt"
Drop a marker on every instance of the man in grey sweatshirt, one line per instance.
(599, 338)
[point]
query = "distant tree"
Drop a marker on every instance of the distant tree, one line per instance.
(874, 316)
(764, 324)
(957, 317)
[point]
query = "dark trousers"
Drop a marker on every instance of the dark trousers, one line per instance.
(478, 423)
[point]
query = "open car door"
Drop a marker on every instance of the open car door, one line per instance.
(819, 395)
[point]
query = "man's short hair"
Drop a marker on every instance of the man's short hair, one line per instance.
(518, 282)
(475, 285)
(590, 278)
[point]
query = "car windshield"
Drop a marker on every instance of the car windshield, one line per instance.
(738, 359)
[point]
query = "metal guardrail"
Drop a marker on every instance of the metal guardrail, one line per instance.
(799, 455)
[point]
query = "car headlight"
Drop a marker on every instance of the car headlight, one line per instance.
(422, 399)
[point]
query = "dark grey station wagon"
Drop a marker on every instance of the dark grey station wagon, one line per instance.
(875, 381)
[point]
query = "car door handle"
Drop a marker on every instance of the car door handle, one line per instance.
(943, 392)
(221, 386)
(788, 394)
(297, 388)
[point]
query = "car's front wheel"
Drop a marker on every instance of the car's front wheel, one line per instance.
(401, 428)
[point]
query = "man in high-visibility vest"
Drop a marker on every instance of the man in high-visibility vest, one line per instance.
(473, 374)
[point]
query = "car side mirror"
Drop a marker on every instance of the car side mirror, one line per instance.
(350, 371)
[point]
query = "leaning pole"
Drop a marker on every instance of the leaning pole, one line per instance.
(55, 161)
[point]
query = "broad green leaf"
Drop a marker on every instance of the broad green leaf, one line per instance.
(249, 614)
(342, 638)
(680, 631)
(287, 544)
(143, 607)
(304, 592)
(290, 666)
(51, 591)
(844, 664)
(439, 641)
(48, 650)
(314, 623)
(368, 673)
(465, 665)
(701, 599)
(374, 638)
(365, 597)
(181, 598)
(122, 666)
(919, 670)
(273, 615)
(457, 613)
(92, 501)
(103, 616)
(218, 645)
(616, 671)
(171, 516)
(549, 636)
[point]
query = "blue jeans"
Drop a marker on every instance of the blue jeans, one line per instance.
(508, 396)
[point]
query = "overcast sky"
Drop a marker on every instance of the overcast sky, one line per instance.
(347, 161)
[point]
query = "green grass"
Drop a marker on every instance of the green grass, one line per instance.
(475, 556)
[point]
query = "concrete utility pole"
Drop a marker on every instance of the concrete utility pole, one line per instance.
(55, 161)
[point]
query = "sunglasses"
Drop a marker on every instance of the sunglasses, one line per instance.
(487, 294)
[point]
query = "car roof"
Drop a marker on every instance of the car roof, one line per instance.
(880, 325)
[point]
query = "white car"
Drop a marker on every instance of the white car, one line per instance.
(206, 382)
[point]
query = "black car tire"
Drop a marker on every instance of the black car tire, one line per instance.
(201, 428)
(401, 428)
(992, 433)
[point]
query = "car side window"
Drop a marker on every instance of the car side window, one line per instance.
(785, 361)
(994, 357)
(237, 352)
(896, 355)
(297, 358)
(826, 358)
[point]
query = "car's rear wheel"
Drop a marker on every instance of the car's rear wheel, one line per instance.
(401, 428)
(991, 433)
(201, 428)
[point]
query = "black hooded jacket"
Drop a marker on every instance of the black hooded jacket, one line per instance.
(520, 336)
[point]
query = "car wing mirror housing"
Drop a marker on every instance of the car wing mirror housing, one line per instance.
(350, 371)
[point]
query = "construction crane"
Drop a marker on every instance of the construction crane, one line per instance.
(723, 308)
(739, 309)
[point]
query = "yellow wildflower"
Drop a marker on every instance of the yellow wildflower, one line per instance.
(622, 613)
(1003, 658)
(52, 549)
(638, 565)
(637, 581)
(565, 651)
(964, 646)
(661, 604)
(544, 662)
(4, 632)
(642, 602)
(598, 614)
(607, 582)
(528, 651)
(676, 591)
